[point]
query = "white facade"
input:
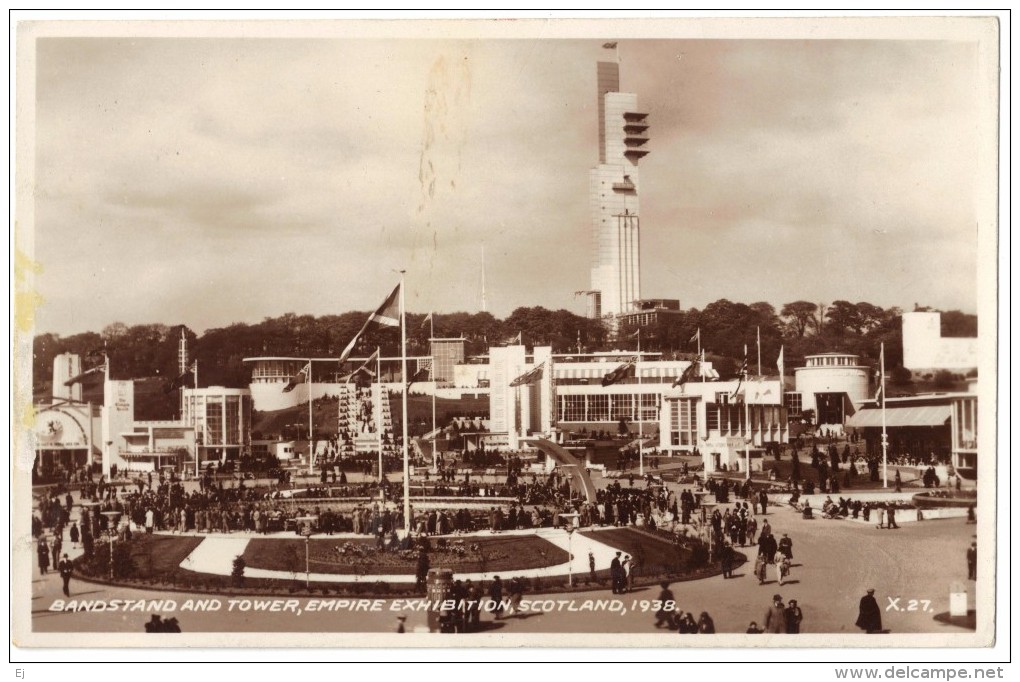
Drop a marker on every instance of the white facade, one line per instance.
(614, 186)
(924, 347)
(221, 418)
(728, 422)
(271, 374)
(65, 367)
(831, 373)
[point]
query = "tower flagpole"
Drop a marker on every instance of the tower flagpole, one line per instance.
(381, 397)
(311, 444)
(403, 376)
(432, 336)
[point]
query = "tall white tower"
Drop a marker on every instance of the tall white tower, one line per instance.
(614, 189)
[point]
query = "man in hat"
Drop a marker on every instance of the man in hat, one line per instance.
(66, 568)
(869, 617)
(616, 573)
(793, 618)
(775, 617)
(972, 561)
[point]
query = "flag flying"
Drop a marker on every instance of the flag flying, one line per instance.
(741, 375)
(386, 315)
(516, 340)
(529, 377)
(696, 337)
(880, 392)
(365, 368)
(689, 372)
(75, 379)
(619, 373)
(182, 380)
(423, 373)
(609, 46)
(428, 318)
(299, 378)
(780, 364)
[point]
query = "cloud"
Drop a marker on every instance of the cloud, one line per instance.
(215, 181)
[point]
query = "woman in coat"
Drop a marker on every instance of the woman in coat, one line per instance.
(44, 555)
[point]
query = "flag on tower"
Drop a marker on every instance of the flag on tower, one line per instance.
(880, 391)
(423, 373)
(619, 373)
(741, 375)
(529, 377)
(609, 46)
(689, 372)
(365, 369)
(386, 315)
(182, 380)
(78, 378)
(299, 378)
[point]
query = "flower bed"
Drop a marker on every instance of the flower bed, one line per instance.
(354, 557)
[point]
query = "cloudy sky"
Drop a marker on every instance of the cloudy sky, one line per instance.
(211, 181)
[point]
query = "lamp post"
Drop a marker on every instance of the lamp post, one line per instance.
(307, 529)
(570, 546)
(112, 517)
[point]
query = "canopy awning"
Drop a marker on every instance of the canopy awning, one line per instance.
(925, 415)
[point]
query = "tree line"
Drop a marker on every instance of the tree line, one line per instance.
(801, 328)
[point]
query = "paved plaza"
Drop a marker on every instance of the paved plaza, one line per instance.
(834, 563)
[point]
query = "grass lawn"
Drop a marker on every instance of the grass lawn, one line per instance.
(359, 557)
(653, 555)
(158, 555)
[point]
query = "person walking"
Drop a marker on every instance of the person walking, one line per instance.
(869, 617)
(794, 616)
(891, 517)
(75, 535)
(56, 549)
(752, 528)
(727, 560)
(786, 547)
(666, 609)
(775, 617)
(496, 595)
(66, 568)
(972, 561)
(44, 555)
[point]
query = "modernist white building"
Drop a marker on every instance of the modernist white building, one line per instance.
(925, 349)
(831, 385)
(269, 376)
(221, 419)
(614, 198)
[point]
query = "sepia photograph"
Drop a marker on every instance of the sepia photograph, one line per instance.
(482, 334)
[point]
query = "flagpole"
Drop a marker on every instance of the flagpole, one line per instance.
(432, 336)
(403, 375)
(747, 426)
(759, 351)
(641, 423)
(379, 425)
(885, 437)
(311, 452)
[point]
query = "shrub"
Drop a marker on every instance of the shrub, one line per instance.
(237, 572)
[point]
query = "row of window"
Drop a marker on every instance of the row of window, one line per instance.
(610, 407)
